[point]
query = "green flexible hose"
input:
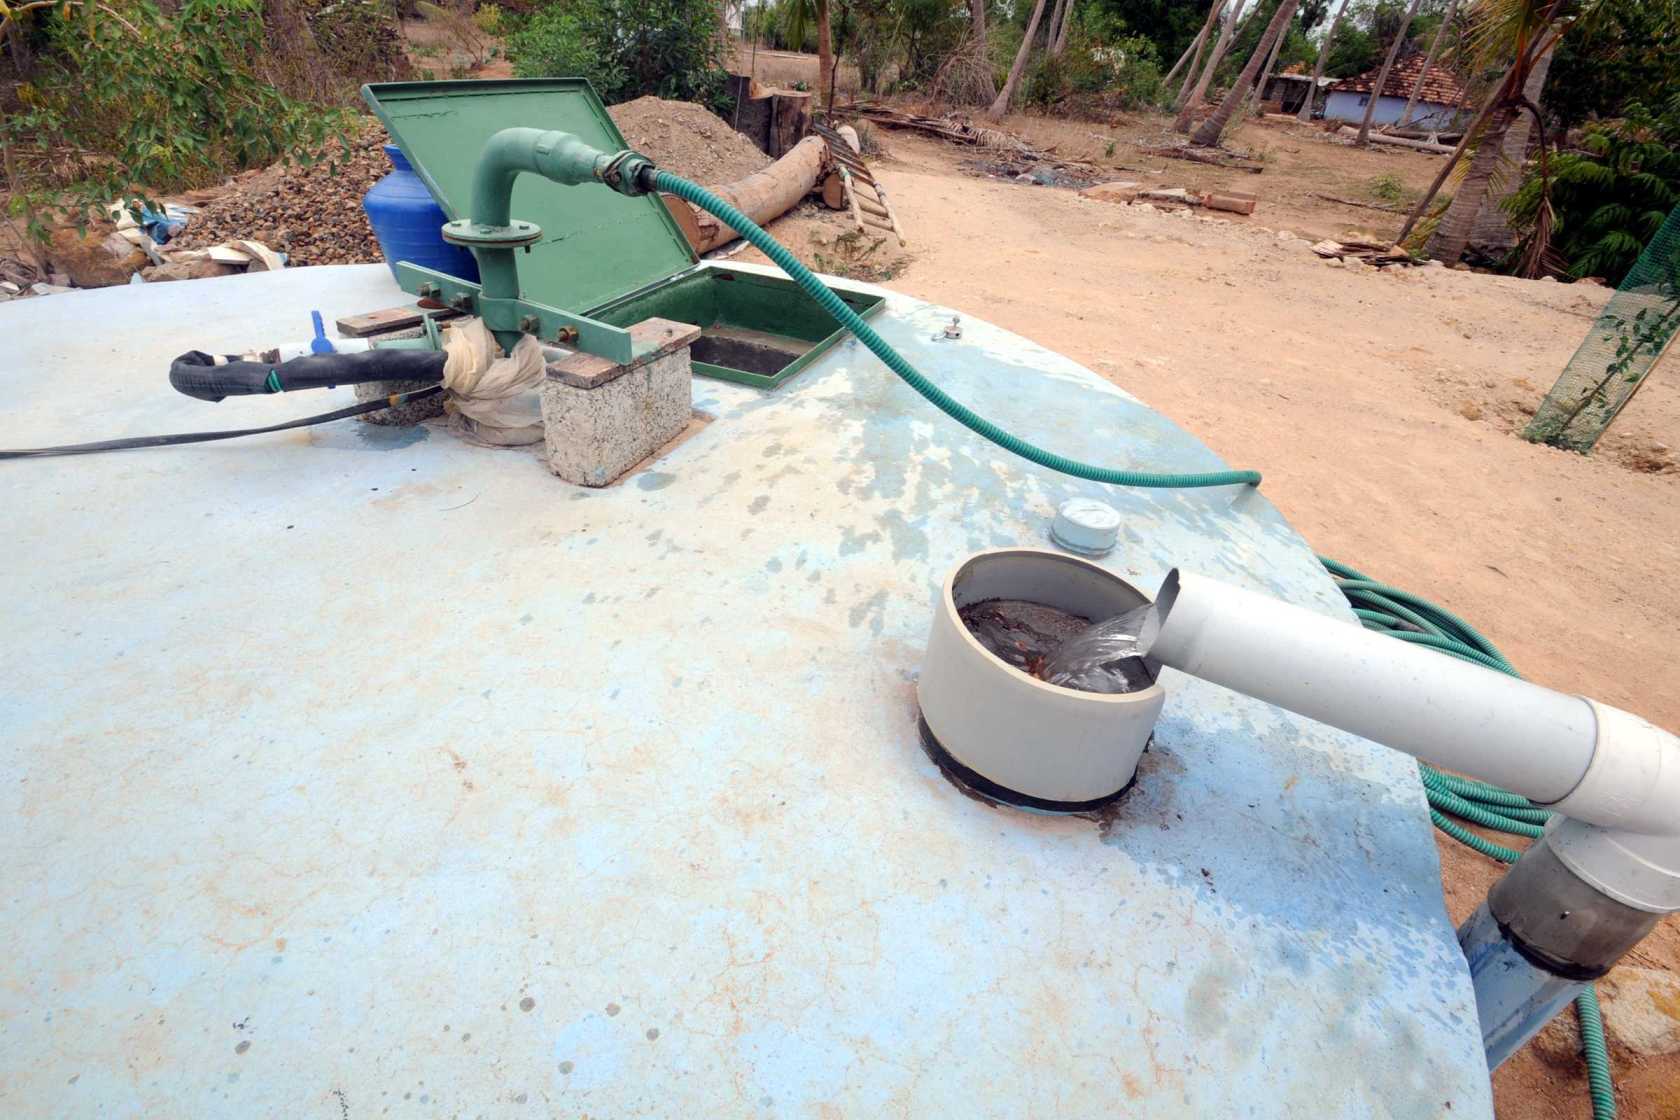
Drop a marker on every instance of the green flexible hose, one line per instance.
(1379, 607)
(956, 410)
(1400, 614)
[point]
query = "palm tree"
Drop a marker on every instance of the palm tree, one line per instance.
(1193, 53)
(1382, 75)
(1523, 31)
(977, 24)
(1428, 63)
(825, 56)
(1188, 105)
(1208, 135)
(1305, 115)
(1271, 62)
(1059, 27)
(1493, 224)
(1007, 93)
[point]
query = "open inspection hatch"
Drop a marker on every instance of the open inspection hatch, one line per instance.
(612, 259)
(1004, 733)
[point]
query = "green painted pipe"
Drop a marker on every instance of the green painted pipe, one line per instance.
(555, 155)
(559, 156)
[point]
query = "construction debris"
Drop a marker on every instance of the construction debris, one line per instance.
(955, 127)
(1371, 250)
(1234, 202)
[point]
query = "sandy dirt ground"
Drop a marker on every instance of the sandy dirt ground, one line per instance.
(1354, 392)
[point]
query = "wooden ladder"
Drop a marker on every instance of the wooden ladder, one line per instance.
(864, 195)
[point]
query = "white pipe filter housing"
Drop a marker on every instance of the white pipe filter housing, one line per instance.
(1053, 747)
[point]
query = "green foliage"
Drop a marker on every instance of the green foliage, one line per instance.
(628, 48)
(553, 43)
(1608, 198)
(131, 97)
(1629, 52)
(1388, 188)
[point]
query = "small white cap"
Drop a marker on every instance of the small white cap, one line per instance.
(1086, 526)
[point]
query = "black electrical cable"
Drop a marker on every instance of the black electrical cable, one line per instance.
(393, 401)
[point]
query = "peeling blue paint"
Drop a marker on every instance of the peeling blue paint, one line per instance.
(226, 741)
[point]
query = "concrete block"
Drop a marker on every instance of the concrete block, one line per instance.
(600, 419)
(1121, 190)
(403, 416)
(1235, 202)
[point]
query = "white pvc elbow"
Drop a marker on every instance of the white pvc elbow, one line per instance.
(1587, 761)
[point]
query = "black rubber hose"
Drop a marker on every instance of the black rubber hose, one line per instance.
(208, 378)
(395, 400)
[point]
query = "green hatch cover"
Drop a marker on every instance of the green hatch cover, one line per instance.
(596, 245)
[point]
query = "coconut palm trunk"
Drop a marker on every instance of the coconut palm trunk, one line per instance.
(825, 56)
(1061, 29)
(1271, 63)
(977, 31)
(1208, 135)
(1305, 115)
(1193, 53)
(1493, 226)
(1007, 94)
(1501, 149)
(1382, 75)
(1428, 63)
(1188, 106)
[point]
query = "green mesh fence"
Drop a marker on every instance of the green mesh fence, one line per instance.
(1619, 352)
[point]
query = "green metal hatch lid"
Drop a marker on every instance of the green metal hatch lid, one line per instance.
(596, 245)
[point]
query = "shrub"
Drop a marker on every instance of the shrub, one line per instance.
(1610, 197)
(1124, 71)
(628, 48)
(136, 98)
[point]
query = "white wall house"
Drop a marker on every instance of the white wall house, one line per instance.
(1442, 102)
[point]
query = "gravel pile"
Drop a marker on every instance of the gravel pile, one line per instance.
(314, 214)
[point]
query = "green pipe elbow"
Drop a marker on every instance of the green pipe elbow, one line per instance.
(559, 156)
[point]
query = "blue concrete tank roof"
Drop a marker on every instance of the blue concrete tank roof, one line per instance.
(365, 772)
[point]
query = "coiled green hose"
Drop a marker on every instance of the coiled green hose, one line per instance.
(1380, 607)
(956, 410)
(1401, 614)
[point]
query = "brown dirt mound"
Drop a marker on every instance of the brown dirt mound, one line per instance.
(312, 214)
(686, 139)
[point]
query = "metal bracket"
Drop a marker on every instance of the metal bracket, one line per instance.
(509, 318)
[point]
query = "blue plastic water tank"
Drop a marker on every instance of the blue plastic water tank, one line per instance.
(408, 223)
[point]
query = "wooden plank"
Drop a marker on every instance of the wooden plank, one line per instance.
(851, 196)
(881, 193)
(390, 319)
(878, 211)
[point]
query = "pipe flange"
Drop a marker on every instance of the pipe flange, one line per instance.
(471, 235)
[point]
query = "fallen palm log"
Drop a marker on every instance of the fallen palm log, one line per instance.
(1398, 142)
(761, 196)
(1213, 156)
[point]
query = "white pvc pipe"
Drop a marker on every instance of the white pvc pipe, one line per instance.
(1461, 716)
